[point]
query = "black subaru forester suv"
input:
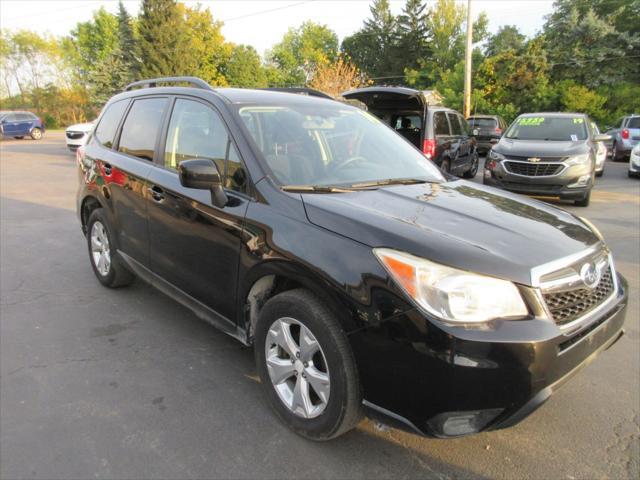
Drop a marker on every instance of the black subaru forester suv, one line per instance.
(365, 280)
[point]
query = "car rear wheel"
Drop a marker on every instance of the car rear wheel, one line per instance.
(615, 153)
(106, 263)
(306, 366)
(584, 201)
(471, 173)
(36, 133)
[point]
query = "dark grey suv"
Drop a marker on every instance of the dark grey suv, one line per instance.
(546, 154)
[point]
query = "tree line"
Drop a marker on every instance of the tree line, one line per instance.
(585, 58)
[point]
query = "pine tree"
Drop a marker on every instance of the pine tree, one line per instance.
(412, 34)
(127, 50)
(163, 41)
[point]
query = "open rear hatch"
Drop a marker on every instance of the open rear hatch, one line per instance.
(388, 98)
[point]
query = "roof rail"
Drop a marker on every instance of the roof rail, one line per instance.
(301, 90)
(152, 82)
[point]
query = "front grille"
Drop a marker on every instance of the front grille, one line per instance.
(565, 307)
(542, 159)
(75, 135)
(533, 169)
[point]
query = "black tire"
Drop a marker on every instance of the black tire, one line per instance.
(342, 411)
(584, 201)
(19, 138)
(36, 133)
(471, 173)
(117, 274)
(600, 173)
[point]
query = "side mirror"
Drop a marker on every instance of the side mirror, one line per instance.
(203, 174)
(601, 137)
(475, 132)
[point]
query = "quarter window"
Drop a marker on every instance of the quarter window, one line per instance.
(106, 129)
(197, 131)
(440, 124)
(141, 128)
(455, 125)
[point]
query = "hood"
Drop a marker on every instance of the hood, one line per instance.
(460, 224)
(81, 127)
(540, 148)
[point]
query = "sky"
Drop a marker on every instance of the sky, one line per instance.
(261, 23)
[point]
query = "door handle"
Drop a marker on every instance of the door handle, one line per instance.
(107, 169)
(156, 193)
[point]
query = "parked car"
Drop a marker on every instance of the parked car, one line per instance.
(546, 154)
(487, 130)
(624, 137)
(365, 279)
(601, 152)
(634, 161)
(443, 135)
(76, 135)
(19, 124)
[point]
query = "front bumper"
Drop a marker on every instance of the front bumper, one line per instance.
(634, 164)
(453, 382)
(561, 185)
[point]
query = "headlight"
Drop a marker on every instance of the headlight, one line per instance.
(493, 155)
(450, 294)
(578, 159)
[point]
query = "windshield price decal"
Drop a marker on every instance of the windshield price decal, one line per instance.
(531, 121)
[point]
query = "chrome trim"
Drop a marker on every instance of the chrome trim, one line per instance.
(580, 322)
(534, 163)
(541, 270)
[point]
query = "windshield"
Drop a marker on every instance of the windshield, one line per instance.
(566, 129)
(482, 122)
(333, 144)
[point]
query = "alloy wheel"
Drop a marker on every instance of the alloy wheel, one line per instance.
(100, 251)
(36, 134)
(297, 367)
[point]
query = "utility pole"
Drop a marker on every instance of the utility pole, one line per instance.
(467, 63)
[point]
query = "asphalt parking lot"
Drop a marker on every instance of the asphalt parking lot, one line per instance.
(128, 384)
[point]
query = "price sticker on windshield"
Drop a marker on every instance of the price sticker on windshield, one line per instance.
(578, 120)
(531, 121)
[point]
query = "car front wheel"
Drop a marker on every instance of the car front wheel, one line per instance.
(473, 170)
(306, 366)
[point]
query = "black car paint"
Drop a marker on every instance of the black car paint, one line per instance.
(487, 136)
(413, 368)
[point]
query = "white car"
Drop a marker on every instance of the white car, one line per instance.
(77, 135)
(634, 162)
(601, 154)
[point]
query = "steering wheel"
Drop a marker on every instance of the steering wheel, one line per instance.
(349, 161)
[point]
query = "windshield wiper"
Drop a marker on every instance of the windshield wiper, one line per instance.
(389, 181)
(315, 189)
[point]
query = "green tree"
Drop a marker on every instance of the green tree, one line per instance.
(446, 25)
(373, 48)
(302, 50)
(163, 44)
(586, 46)
(412, 35)
(95, 40)
(508, 37)
(127, 46)
(244, 68)
(578, 98)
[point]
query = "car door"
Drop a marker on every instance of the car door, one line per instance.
(442, 135)
(195, 245)
(468, 142)
(124, 169)
(10, 125)
(456, 151)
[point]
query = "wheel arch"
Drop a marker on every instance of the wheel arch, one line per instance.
(88, 205)
(268, 279)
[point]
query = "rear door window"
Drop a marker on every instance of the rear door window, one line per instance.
(106, 129)
(141, 128)
(440, 124)
(455, 125)
(482, 122)
(634, 122)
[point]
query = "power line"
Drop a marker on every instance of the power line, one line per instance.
(253, 14)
